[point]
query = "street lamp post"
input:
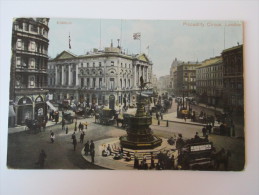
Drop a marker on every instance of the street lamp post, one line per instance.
(183, 96)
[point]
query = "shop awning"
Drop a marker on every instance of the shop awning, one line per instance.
(11, 111)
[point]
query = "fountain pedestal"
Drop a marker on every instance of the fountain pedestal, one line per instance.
(139, 134)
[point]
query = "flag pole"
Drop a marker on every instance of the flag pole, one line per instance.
(140, 45)
(100, 44)
(121, 35)
(224, 35)
(69, 44)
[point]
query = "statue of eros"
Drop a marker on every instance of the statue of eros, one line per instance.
(142, 84)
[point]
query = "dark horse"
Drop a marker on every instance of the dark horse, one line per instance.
(222, 157)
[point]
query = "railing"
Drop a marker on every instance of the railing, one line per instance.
(31, 53)
(29, 70)
(31, 32)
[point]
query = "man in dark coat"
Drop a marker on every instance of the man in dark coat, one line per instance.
(82, 135)
(92, 156)
(204, 131)
(74, 143)
(91, 146)
(197, 137)
(179, 142)
(56, 118)
(87, 148)
(75, 126)
(73, 136)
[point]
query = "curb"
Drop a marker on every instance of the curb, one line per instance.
(187, 123)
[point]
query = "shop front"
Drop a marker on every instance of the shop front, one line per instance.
(24, 110)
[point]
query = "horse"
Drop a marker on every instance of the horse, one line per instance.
(97, 117)
(221, 157)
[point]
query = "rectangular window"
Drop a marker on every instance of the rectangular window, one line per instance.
(94, 80)
(26, 27)
(18, 61)
(74, 78)
(31, 81)
(100, 82)
(26, 45)
(19, 44)
(100, 64)
(34, 28)
(82, 82)
(93, 64)
(112, 63)
(111, 83)
(87, 82)
(32, 63)
(87, 64)
(32, 46)
(20, 26)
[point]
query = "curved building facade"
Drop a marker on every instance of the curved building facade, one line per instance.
(28, 86)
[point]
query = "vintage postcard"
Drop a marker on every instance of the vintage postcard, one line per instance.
(126, 95)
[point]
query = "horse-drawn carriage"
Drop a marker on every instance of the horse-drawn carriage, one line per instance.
(34, 126)
(68, 117)
(105, 116)
(84, 112)
(196, 156)
(64, 105)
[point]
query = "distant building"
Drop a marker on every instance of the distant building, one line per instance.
(173, 76)
(233, 79)
(164, 82)
(108, 77)
(209, 81)
(28, 85)
(185, 78)
(154, 82)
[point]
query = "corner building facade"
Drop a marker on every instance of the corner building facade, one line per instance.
(28, 84)
(233, 79)
(185, 78)
(209, 82)
(108, 77)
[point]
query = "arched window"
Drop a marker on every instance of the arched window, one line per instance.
(39, 99)
(24, 100)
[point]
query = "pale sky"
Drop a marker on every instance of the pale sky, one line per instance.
(167, 39)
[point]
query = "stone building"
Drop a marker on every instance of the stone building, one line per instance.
(28, 83)
(154, 82)
(107, 77)
(233, 79)
(173, 75)
(209, 81)
(185, 78)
